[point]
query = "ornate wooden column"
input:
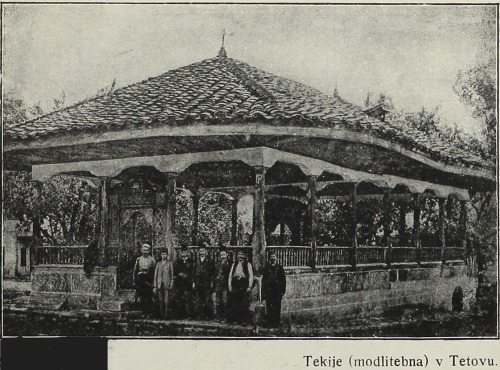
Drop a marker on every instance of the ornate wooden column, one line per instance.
(416, 227)
(103, 219)
(387, 243)
(170, 211)
(354, 236)
(463, 226)
(234, 221)
(259, 237)
(402, 224)
(37, 230)
(442, 228)
(311, 208)
(196, 204)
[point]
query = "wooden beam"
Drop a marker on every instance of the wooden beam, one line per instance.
(103, 220)
(37, 230)
(386, 205)
(442, 228)
(463, 223)
(196, 204)
(259, 156)
(416, 226)
(254, 129)
(311, 207)
(403, 240)
(170, 211)
(234, 221)
(259, 237)
(354, 220)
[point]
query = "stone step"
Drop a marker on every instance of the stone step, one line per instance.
(49, 302)
(114, 305)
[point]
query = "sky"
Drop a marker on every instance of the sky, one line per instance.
(410, 53)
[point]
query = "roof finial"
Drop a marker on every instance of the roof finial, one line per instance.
(222, 51)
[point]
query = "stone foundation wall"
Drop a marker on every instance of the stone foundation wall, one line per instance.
(70, 284)
(341, 293)
(308, 293)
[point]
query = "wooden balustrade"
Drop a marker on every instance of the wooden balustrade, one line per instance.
(291, 256)
(288, 256)
(455, 254)
(403, 255)
(371, 254)
(330, 256)
(61, 255)
(431, 254)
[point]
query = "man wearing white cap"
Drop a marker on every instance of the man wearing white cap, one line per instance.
(143, 277)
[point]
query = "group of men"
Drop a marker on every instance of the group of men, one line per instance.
(203, 289)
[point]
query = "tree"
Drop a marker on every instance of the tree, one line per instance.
(476, 87)
(65, 213)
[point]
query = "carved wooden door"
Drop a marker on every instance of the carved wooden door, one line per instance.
(136, 230)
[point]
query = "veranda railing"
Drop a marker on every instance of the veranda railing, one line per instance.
(288, 256)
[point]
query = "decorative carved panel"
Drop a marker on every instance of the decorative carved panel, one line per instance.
(159, 228)
(147, 213)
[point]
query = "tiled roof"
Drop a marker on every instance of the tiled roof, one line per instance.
(222, 90)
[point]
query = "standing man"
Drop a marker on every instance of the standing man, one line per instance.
(183, 283)
(221, 284)
(203, 283)
(163, 281)
(273, 290)
(240, 283)
(143, 277)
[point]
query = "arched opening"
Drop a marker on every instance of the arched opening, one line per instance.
(136, 230)
(289, 212)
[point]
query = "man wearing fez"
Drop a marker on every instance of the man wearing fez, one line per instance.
(221, 284)
(183, 283)
(203, 283)
(273, 290)
(143, 277)
(240, 283)
(163, 281)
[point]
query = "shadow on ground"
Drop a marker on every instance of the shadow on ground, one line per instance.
(406, 321)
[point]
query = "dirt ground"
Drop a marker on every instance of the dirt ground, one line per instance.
(407, 321)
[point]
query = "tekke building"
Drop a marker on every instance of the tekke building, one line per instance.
(222, 125)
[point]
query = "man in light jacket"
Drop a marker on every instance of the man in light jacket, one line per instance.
(163, 281)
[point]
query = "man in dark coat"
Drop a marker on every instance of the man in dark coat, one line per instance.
(203, 284)
(221, 285)
(240, 283)
(273, 290)
(183, 284)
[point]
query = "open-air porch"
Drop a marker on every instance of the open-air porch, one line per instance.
(375, 221)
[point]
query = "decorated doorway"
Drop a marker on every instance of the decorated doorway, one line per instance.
(136, 230)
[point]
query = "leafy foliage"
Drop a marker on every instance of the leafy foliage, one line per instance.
(476, 87)
(215, 218)
(482, 218)
(333, 222)
(67, 207)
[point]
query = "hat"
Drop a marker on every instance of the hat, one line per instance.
(145, 245)
(164, 250)
(202, 244)
(184, 247)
